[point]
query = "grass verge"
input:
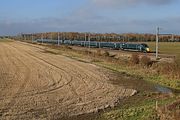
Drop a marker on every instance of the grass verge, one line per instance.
(139, 109)
(5, 40)
(158, 79)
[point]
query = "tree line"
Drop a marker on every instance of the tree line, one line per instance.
(107, 37)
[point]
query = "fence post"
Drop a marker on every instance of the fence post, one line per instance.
(156, 105)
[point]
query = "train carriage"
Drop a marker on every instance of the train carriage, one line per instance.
(112, 45)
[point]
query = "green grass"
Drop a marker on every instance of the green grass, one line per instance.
(5, 40)
(137, 110)
(140, 107)
(171, 83)
(158, 79)
(171, 48)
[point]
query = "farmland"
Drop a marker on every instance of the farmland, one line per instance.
(51, 82)
(90, 60)
(171, 48)
(38, 85)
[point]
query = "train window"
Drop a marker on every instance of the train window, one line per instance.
(145, 45)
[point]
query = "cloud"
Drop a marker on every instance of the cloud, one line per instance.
(82, 24)
(168, 25)
(82, 20)
(127, 3)
(87, 19)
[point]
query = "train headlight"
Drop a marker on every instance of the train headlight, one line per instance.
(147, 49)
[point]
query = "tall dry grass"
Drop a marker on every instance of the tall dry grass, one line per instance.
(134, 59)
(146, 61)
(170, 70)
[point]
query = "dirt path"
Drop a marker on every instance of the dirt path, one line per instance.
(38, 85)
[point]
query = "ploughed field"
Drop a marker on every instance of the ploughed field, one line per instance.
(39, 85)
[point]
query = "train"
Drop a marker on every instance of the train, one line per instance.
(141, 47)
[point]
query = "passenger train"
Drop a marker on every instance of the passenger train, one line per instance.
(112, 45)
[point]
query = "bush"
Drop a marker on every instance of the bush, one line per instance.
(87, 52)
(98, 52)
(106, 54)
(145, 61)
(67, 47)
(134, 59)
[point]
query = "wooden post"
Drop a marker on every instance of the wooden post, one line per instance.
(156, 105)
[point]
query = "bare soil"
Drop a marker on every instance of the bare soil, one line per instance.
(39, 85)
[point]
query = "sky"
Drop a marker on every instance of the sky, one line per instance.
(98, 16)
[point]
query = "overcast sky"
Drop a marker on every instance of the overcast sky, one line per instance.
(120, 16)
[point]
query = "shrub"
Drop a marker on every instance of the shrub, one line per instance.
(106, 54)
(145, 61)
(87, 52)
(67, 47)
(134, 59)
(98, 52)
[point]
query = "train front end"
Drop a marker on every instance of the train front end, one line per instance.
(145, 48)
